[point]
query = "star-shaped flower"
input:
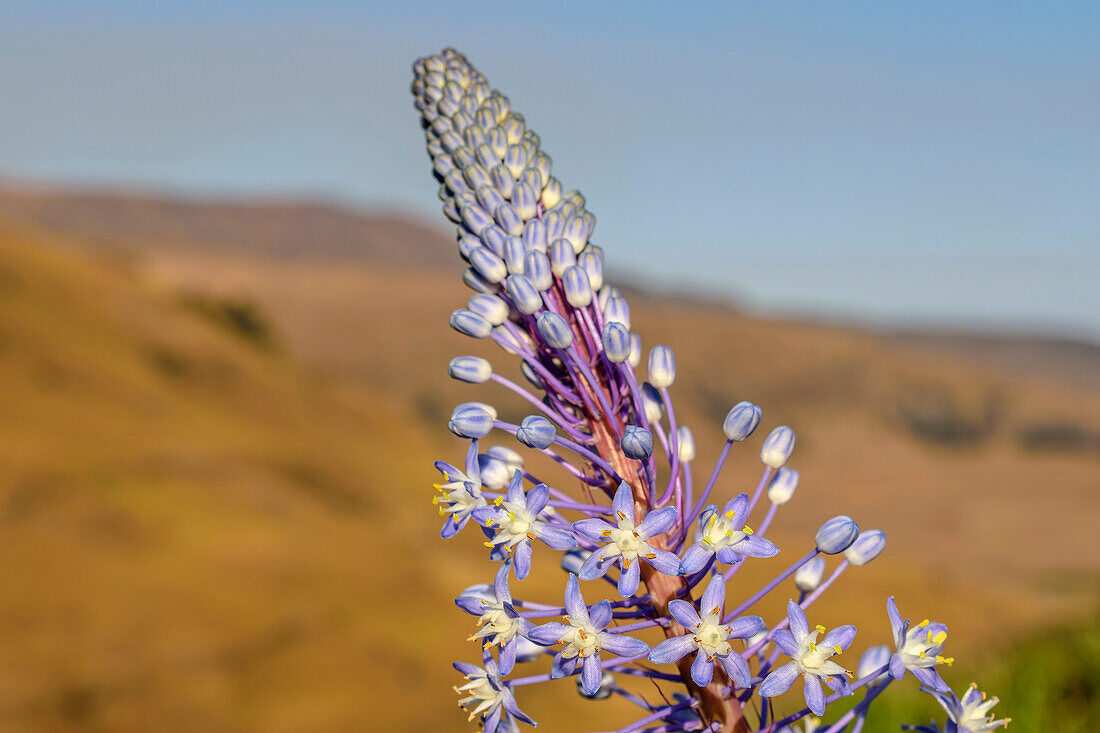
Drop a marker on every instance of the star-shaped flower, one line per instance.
(488, 696)
(585, 637)
(515, 519)
(500, 624)
(725, 537)
(917, 649)
(968, 715)
(708, 637)
(459, 494)
(627, 543)
(810, 659)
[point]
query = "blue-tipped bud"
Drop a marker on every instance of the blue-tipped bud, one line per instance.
(661, 367)
(635, 350)
(561, 256)
(467, 243)
(472, 369)
(531, 376)
(490, 307)
(494, 238)
(652, 403)
(578, 291)
(606, 293)
(837, 535)
(514, 252)
(551, 193)
(526, 651)
(866, 548)
(777, 447)
(502, 181)
(524, 296)
(741, 421)
(555, 330)
(495, 474)
(536, 432)
(616, 342)
(555, 225)
(617, 311)
(576, 232)
(592, 265)
(475, 218)
(810, 575)
(536, 266)
(470, 421)
(607, 685)
(509, 219)
(509, 457)
(572, 560)
(488, 264)
(525, 200)
(685, 444)
(781, 487)
(534, 236)
(637, 443)
(470, 324)
(476, 282)
(874, 659)
(490, 199)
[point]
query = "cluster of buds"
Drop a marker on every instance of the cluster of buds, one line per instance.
(632, 524)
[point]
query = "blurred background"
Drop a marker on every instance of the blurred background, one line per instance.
(225, 279)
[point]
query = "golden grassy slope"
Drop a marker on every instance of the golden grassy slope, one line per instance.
(203, 532)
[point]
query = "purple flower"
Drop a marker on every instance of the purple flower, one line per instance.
(459, 494)
(708, 637)
(917, 648)
(499, 623)
(809, 659)
(486, 695)
(725, 537)
(967, 715)
(627, 543)
(515, 519)
(584, 637)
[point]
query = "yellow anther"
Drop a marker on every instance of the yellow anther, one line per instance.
(940, 637)
(729, 514)
(435, 499)
(621, 515)
(820, 629)
(437, 487)
(442, 512)
(924, 623)
(707, 540)
(626, 563)
(651, 556)
(605, 533)
(488, 522)
(747, 529)
(499, 500)
(512, 516)
(488, 544)
(532, 536)
(923, 655)
(837, 649)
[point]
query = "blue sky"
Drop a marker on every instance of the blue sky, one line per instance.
(901, 162)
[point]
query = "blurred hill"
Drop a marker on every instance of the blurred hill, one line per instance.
(217, 444)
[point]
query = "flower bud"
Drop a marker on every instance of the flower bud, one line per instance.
(508, 219)
(685, 444)
(477, 283)
(514, 252)
(781, 487)
(470, 324)
(524, 296)
(616, 342)
(494, 238)
(637, 443)
(758, 637)
(874, 659)
(470, 421)
(635, 349)
(777, 447)
(472, 369)
(475, 218)
(592, 265)
(741, 421)
(866, 548)
(489, 307)
(571, 560)
(489, 198)
(576, 232)
(536, 267)
(578, 292)
(661, 367)
(531, 376)
(809, 576)
(836, 535)
(617, 311)
(555, 225)
(607, 684)
(652, 403)
(561, 256)
(551, 194)
(554, 330)
(534, 236)
(495, 473)
(509, 457)
(527, 651)
(525, 200)
(536, 432)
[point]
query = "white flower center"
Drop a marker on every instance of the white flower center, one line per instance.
(513, 524)
(814, 659)
(582, 640)
(481, 698)
(496, 626)
(719, 532)
(921, 647)
(458, 497)
(711, 638)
